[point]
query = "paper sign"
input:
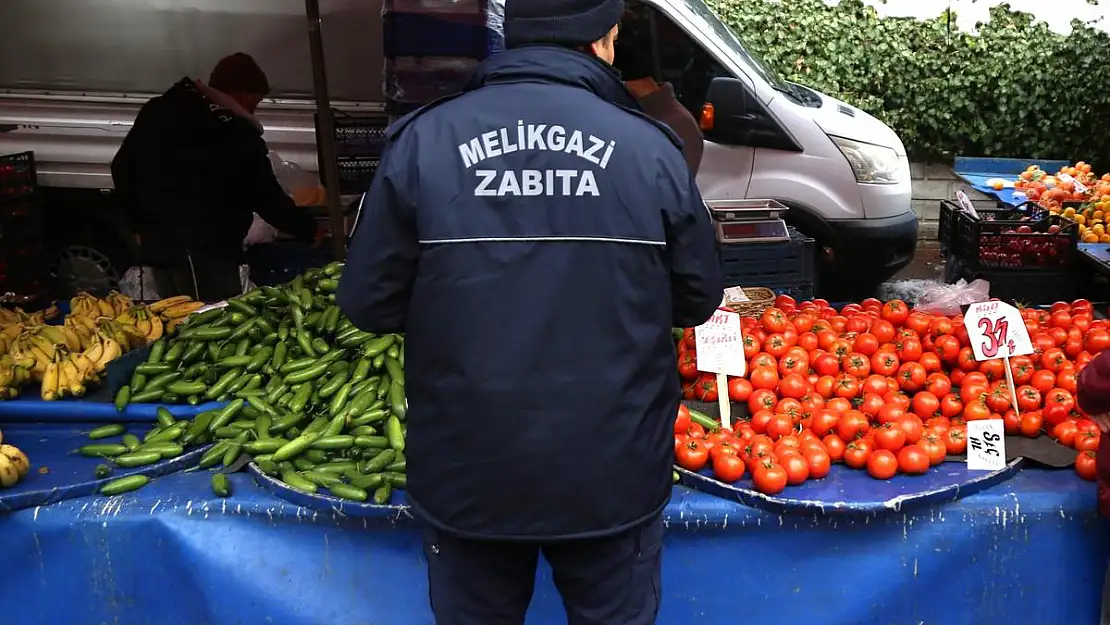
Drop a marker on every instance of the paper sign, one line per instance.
(996, 330)
(965, 203)
(1079, 186)
(986, 445)
(720, 346)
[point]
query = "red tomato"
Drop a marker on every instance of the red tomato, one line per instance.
(1085, 465)
(793, 386)
(688, 367)
(761, 399)
(739, 389)
(769, 478)
(785, 300)
(856, 364)
(998, 399)
(1087, 439)
(890, 437)
(882, 465)
(884, 362)
(866, 343)
(1030, 424)
(1022, 369)
(911, 377)
(913, 460)
(1097, 340)
(728, 468)
(856, 454)
(780, 425)
(951, 406)
(834, 446)
(824, 421)
(871, 404)
(1054, 360)
(682, 421)
(706, 388)
(1011, 422)
(1043, 380)
(938, 384)
(955, 441)
(876, 384)
(1060, 396)
(692, 456)
(925, 404)
(913, 427)
(839, 405)
(846, 386)
(933, 448)
(852, 424)
(1065, 432)
(764, 378)
(895, 312)
(797, 469)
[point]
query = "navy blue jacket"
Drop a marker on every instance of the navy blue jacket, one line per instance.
(536, 238)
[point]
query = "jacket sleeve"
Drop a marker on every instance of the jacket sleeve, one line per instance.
(264, 195)
(697, 285)
(377, 281)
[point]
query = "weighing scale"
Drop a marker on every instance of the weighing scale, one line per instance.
(748, 221)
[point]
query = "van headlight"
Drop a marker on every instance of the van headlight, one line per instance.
(872, 164)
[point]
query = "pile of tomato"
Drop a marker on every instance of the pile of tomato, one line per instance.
(882, 388)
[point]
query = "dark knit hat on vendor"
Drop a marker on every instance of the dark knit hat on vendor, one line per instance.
(239, 73)
(1093, 393)
(559, 22)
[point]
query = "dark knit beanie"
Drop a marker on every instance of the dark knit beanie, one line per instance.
(239, 73)
(560, 22)
(1093, 393)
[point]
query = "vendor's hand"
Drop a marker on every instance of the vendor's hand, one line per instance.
(1102, 421)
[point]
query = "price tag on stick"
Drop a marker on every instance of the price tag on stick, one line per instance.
(995, 330)
(986, 445)
(720, 349)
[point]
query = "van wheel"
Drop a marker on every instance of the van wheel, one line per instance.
(80, 268)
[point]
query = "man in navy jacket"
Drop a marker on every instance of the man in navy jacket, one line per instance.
(536, 237)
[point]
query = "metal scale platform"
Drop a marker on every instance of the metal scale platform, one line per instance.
(744, 221)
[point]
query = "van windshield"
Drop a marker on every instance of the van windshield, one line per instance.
(712, 25)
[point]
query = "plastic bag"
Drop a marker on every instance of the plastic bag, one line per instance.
(138, 284)
(260, 232)
(946, 299)
(291, 176)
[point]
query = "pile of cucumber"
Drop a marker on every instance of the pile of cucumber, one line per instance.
(311, 399)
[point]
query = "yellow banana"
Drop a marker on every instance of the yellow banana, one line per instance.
(173, 324)
(161, 305)
(105, 308)
(157, 328)
(112, 350)
(182, 310)
(50, 382)
(75, 382)
(52, 334)
(95, 351)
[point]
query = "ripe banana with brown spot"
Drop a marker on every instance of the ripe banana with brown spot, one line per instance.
(162, 305)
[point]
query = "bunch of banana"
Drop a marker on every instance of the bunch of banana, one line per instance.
(14, 464)
(34, 352)
(71, 372)
(101, 352)
(112, 329)
(174, 310)
(87, 305)
(12, 377)
(17, 316)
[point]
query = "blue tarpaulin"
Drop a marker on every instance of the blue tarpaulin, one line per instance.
(1030, 550)
(977, 171)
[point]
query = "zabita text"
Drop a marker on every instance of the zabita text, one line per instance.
(536, 182)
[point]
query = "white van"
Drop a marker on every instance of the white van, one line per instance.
(70, 87)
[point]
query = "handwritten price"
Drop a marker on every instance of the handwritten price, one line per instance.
(996, 334)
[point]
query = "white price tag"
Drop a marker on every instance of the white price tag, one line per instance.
(965, 203)
(986, 445)
(996, 330)
(1079, 186)
(720, 346)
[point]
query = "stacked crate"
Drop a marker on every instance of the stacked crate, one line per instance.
(23, 267)
(432, 46)
(1026, 253)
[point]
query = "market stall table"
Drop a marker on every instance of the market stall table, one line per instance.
(1030, 550)
(977, 171)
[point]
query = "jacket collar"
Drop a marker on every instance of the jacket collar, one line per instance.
(555, 65)
(220, 104)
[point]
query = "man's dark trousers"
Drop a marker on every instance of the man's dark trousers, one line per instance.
(613, 580)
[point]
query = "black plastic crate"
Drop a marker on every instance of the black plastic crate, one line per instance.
(359, 142)
(783, 263)
(1034, 287)
(17, 175)
(1040, 243)
(951, 211)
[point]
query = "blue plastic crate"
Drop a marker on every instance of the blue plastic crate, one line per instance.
(420, 35)
(782, 265)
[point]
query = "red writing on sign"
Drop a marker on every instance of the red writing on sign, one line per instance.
(984, 308)
(995, 336)
(719, 340)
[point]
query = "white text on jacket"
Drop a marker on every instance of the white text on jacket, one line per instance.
(536, 182)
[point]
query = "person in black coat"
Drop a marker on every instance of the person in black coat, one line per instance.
(192, 172)
(536, 238)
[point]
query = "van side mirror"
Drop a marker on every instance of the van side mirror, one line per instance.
(728, 115)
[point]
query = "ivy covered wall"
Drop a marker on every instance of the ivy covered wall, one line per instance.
(1012, 89)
